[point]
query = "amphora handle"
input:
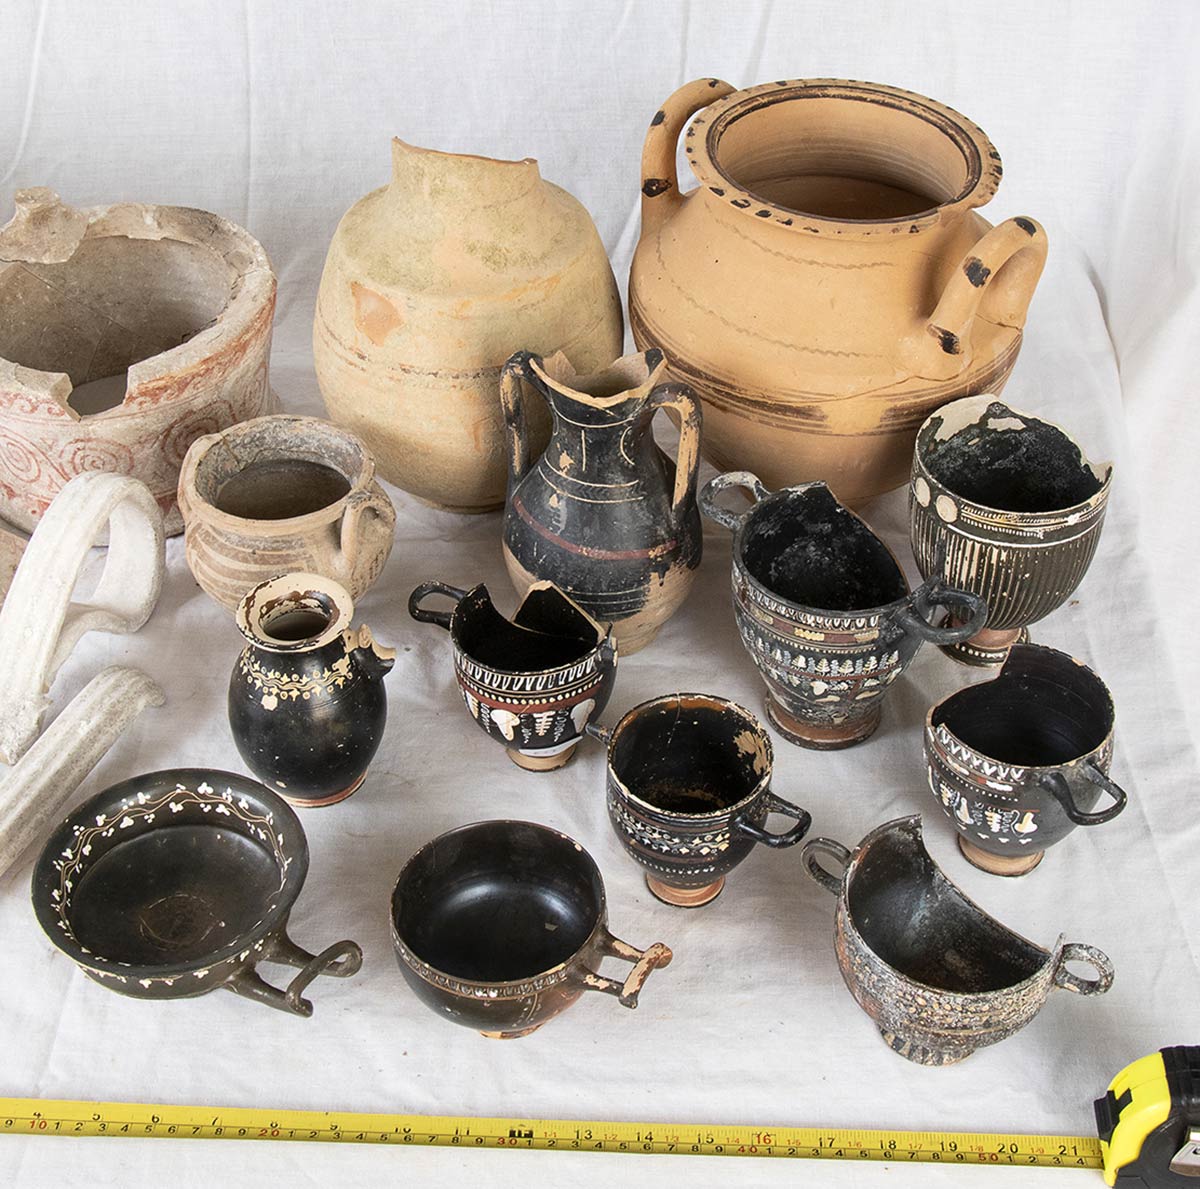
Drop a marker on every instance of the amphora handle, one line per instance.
(995, 278)
(516, 421)
(682, 400)
(660, 181)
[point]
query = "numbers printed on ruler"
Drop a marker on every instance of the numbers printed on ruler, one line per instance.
(46, 1117)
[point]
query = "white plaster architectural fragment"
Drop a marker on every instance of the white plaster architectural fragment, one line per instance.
(34, 791)
(40, 623)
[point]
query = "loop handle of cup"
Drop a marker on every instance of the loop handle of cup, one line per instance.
(422, 592)
(968, 613)
(1056, 785)
(341, 960)
(775, 804)
(1075, 951)
(713, 488)
(835, 850)
(645, 962)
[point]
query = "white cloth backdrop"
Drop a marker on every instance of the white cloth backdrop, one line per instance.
(278, 116)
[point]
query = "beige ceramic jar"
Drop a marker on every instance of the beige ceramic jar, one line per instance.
(282, 494)
(430, 284)
(829, 283)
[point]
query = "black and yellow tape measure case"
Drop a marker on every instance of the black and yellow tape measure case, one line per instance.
(1149, 1121)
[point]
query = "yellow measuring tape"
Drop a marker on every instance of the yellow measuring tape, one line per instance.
(34, 1116)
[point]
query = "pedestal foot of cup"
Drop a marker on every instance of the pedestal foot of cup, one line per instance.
(805, 734)
(516, 1034)
(685, 897)
(321, 802)
(464, 510)
(921, 1054)
(541, 763)
(1020, 864)
(987, 647)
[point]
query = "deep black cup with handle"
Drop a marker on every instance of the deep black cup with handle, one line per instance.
(824, 609)
(689, 792)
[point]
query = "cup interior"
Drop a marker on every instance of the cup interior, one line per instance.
(1012, 462)
(690, 754)
(921, 925)
(547, 632)
(277, 468)
(1041, 711)
(498, 901)
(804, 547)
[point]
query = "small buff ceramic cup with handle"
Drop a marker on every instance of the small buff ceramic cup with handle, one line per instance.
(689, 792)
(278, 495)
(824, 609)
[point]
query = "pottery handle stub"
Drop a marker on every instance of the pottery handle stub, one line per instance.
(1056, 784)
(713, 488)
(441, 618)
(835, 850)
(962, 603)
(341, 960)
(660, 180)
(515, 373)
(1075, 951)
(790, 837)
(366, 501)
(645, 962)
(995, 279)
(601, 734)
(682, 400)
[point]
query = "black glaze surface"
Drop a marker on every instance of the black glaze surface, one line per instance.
(1031, 468)
(805, 547)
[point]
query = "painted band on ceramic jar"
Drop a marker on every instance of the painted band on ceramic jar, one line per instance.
(532, 683)
(824, 609)
(501, 925)
(1018, 762)
(1008, 506)
(938, 975)
(689, 793)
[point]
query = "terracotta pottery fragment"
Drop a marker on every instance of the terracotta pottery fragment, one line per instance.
(829, 283)
(824, 609)
(126, 332)
(41, 621)
(1019, 761)
(175, 883)
(533, 683)
(602, 512)
(430, 284)
(500, 926)
(281, 494)
(307, 705)
(689, 792)
(938, 975)
(1008, 506)
(12, 548)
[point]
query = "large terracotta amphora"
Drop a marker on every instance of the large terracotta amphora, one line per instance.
(430, 284)
(828, 284)
(602, 512)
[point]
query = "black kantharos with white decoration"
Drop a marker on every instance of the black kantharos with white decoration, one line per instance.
(689, 792)
(532, 683)
(1018, 762)
(1007, 506)
(175, 883)
(501, 925)
(824, 609)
